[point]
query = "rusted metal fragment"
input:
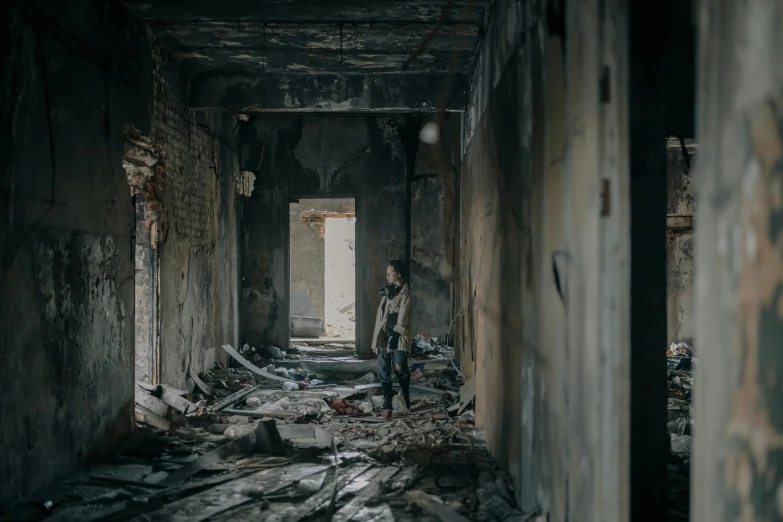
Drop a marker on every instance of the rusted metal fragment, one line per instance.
(679, 221)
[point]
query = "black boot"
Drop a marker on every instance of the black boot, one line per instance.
(405, 386)
(388, 395)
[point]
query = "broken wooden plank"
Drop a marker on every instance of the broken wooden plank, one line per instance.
(255, 414)
(206, 388)
(372, 490)
(151, 403)
(150, 418)
(252, 367)
(466, 394)
(265, 437)
(152, 387)
(130, 509)
(171, 398)
(231, 399)
(206, 460)
(152, 396)
(434, 507)
(321, 499)
(229, 495)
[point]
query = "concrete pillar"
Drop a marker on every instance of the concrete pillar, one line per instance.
(738, 460)
(647, 109)
(681, 161)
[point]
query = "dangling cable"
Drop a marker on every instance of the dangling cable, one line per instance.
(48, 108)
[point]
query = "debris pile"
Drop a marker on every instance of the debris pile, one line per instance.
(680, 407)
(242, 446)
(431, 348)
(680, 362)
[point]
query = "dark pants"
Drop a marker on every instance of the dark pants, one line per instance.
(387, 363)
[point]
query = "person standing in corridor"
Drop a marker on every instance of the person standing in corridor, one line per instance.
(392, 334)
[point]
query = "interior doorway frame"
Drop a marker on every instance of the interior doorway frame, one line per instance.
(357, 253)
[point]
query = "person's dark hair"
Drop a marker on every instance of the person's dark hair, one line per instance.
(399, 267)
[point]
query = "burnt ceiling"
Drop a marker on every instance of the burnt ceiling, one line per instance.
(350, 36)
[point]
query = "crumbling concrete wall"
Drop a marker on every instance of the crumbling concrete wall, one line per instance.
(430, 269)
(498, 349)
(680, 241)
(308, 255)
(66, 285)
(544, 262)
(738, 451)
(366, 158)
(76, 79)
(198, 222)
(433, 227)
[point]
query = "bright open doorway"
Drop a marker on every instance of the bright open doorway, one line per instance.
(323, 269)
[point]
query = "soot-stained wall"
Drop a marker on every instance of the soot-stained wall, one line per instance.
(543, 258)
(367, 158)
(198, 240)
(78, 79)
(432, 228)
(66, 284)
(496, 281)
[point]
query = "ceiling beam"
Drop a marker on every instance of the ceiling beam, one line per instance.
(306, 11)
(329, 92)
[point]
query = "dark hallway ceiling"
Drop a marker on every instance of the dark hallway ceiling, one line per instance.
(310, 36)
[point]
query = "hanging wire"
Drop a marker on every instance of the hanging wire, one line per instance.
(50, 131)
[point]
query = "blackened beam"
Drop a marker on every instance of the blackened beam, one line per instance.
(330, 92)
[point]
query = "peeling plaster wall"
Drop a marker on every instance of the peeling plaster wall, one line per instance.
(67, 280)
(198, 278)
(496, 251)
(433, 229)
(67, 287)
(367, 158)
(430, 268)
(543, 267)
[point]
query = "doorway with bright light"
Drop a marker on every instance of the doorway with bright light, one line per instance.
(323, 269)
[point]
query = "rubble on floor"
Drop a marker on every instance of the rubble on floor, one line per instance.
(681, 363)
(240, 446)
(431, 348)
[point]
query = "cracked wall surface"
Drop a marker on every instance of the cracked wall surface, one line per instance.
(66, 286)
(78, 78)
(543, 267)
(197, 247)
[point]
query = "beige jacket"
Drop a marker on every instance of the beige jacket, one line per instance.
(402, 306)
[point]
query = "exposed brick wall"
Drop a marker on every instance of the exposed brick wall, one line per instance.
(189, 261)
(191, 155)
(307, 255)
